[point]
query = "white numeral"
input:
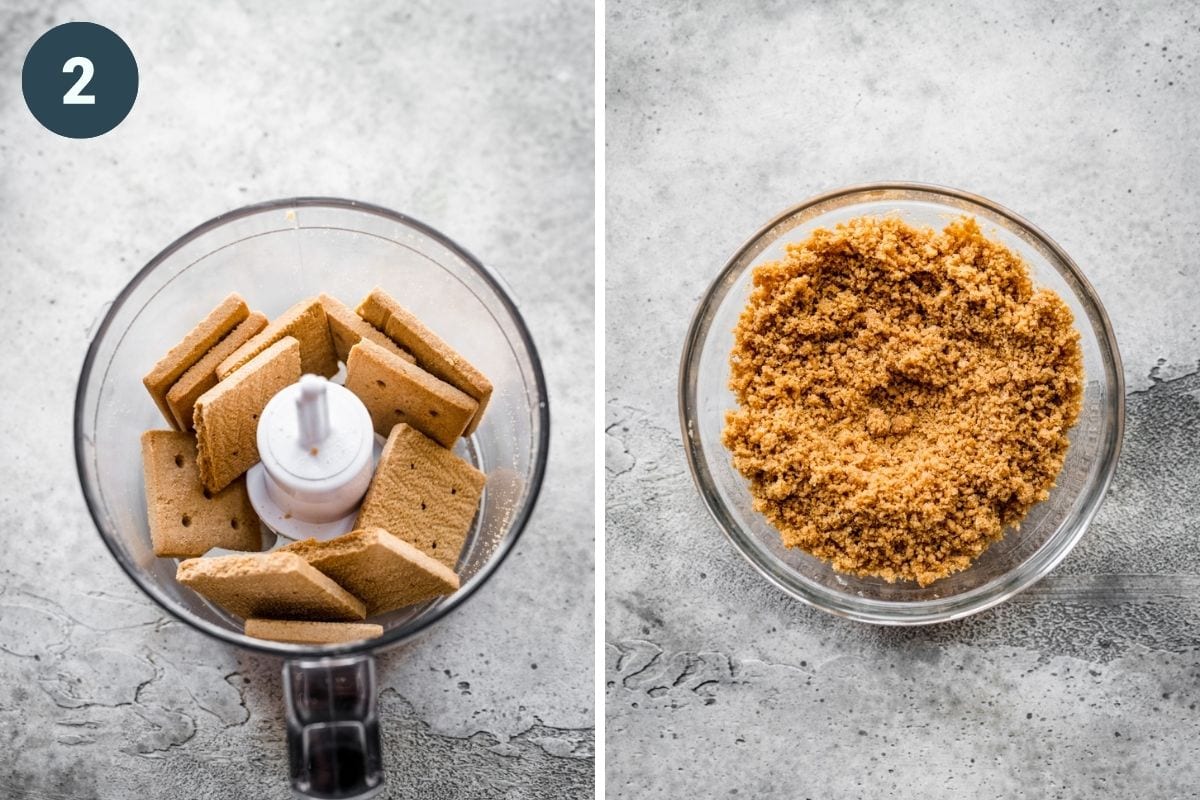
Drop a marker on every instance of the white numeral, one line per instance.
(86, 70)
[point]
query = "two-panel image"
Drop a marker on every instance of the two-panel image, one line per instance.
(635, 400)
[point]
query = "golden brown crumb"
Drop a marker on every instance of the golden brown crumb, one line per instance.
(903, 395)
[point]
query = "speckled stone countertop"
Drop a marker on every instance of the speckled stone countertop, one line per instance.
(477, 119)
(1081, 117)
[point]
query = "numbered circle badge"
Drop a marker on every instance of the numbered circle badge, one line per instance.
(80, 80)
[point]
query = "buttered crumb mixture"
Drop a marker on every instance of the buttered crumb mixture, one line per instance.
(903, 395)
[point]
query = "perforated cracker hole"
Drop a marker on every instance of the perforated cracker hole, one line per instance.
(433, 412)
(433, 546)
(422, 506)
(233, 523)
(178, 460)
(207, 494)
(381, 384)
(454, 491)
(186, 521)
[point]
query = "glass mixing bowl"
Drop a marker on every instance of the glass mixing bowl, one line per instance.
(275, 254)
(1015, 562)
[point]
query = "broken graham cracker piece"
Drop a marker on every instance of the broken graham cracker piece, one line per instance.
(383, 571)
(308, 632)
(274, 585)
(185, 518)
(202, 376)
(199, 340)
(395, 391)
(307, 324)
(348, 329)
(433, 355)
(227, 414)
(424, 494)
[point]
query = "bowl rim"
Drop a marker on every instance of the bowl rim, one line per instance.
(520, 518)
(908, 612)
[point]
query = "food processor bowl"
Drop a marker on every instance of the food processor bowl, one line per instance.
(275, 254)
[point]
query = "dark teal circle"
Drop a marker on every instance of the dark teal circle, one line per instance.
(113, 84)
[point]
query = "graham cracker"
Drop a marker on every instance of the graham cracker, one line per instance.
(307, 632)
(433, 354)
(198, 341)
(395, 391)
(202, 376)
(185, 518)
(274, 585)
(383, 571)
(424, 494)
(227, 414)
(348, 329)
(306, 323)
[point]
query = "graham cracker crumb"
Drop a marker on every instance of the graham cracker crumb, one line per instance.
(903, 395)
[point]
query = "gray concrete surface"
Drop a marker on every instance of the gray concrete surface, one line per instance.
(474, 117)
(1082, 117)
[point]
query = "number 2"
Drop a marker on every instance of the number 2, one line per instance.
(86, 70)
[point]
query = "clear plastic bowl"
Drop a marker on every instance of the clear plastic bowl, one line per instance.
(1025, 554)
(275, 254)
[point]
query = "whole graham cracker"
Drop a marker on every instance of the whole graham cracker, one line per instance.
(202, 376)
(307, 324)
(199, 340)
(348, 329)
(433, 354)
(395, 391)
(185, 518)
(227, 414)
(308, 632)
(423, 494)
(274, 585)
(383, 571)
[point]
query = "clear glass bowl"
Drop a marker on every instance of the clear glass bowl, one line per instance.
(276, 254)
(1018, 560)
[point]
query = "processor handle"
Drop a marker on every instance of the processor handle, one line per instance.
(333, 728)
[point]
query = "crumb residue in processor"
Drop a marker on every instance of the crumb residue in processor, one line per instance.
(903, 395)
